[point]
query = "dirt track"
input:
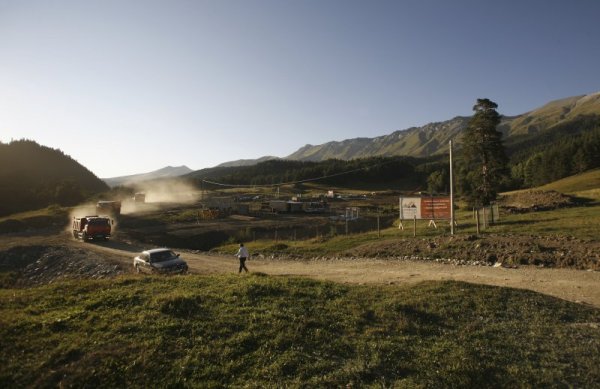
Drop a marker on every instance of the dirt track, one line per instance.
(573, 285)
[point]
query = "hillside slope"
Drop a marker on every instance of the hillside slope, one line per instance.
(555, 113)
(34, 176)
(577, 184)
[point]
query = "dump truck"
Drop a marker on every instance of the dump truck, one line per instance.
(92, 227)
(108, 207)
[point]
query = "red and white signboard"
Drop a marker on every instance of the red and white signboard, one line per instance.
(430, 208)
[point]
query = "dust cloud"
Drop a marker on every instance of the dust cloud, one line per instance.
(160, 194)
(170, 192)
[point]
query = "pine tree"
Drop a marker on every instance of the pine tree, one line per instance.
(484, 154)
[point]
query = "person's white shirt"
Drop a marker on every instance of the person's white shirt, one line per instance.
(242, 252)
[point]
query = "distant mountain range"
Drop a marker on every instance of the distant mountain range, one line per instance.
(425, 141)
(246, 162)
(432, 139)
(166, 172)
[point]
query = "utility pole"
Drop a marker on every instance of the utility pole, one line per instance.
(451, 194)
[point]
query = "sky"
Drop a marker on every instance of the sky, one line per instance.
(127, 87)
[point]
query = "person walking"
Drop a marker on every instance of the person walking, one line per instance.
(242, 254)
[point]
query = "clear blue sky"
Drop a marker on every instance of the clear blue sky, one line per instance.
(128, 87)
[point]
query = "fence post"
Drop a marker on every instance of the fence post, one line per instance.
(414, 225)
(484, 218)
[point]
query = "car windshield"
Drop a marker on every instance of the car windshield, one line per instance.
(162, 256)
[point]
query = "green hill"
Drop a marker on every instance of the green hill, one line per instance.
(576, 184)
(34, 176)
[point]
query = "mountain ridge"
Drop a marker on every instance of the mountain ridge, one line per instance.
(432, 138)
(165, 172)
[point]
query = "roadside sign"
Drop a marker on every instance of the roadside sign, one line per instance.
(431, 208)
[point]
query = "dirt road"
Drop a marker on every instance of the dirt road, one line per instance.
(573, 285)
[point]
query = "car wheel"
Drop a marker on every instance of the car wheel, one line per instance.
(84, 237)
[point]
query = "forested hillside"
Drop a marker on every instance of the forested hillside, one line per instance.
(34, 176)
(397, 172)
(568, 148)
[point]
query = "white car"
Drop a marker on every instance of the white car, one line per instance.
(159, 261)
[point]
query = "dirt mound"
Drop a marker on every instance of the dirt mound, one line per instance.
(535, 200)
(36, 265)
(487, 250)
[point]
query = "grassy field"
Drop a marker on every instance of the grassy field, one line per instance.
(261, 331)
(581, 222)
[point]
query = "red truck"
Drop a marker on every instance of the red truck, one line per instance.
(92, 227)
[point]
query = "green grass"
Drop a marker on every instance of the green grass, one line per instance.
(323, 245)
(261, 331)
(581, 222)
(576, 184)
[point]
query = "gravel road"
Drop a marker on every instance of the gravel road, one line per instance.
(574, 285)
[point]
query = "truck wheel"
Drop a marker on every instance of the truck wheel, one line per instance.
(84, 237)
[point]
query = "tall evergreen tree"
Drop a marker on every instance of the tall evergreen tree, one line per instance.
(484, 154)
